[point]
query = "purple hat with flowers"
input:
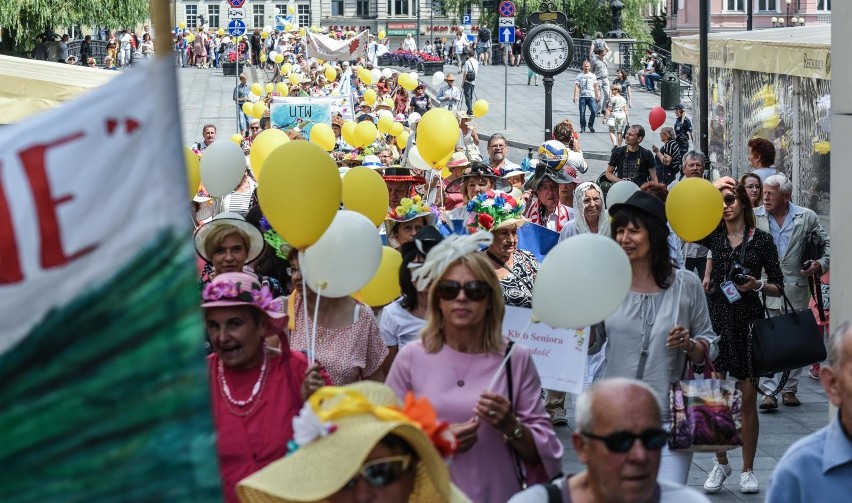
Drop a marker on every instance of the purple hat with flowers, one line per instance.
(245, 289)
(493, 210)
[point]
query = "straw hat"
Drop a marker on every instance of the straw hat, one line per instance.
(491, 211)
(399, 174)
(235, 219)
(458, 160)
(478, 170)
(333, 435)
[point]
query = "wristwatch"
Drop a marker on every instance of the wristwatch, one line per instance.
(517, 433)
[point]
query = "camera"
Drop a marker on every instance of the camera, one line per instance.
(738, 273)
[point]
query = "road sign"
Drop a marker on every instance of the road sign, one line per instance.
(236, 27)
(506, 34)
(466, 19)
(506, 21)
(507, 9)
(236, 3)
(236, 13)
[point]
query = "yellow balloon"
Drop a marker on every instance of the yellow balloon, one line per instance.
(291, 9)
(182, 25)
(694, 208)
(440, 165)
(193, 171)
(364, 191)
(257, 89)
(388, 103)
(480, 108)
(402, 79)
(365, 133)
(190, 37)
(237, 138)
(445, 172)
(248, 108)
(278, 58)
(365, 76)
(294, 78)
(221, 32)
(282, 89)
(396, 129)
(258, 109)
(385, 123)
(330, 74)
(407, 82)
(264, 35)
(370, 97)
(301, 32)
(299, 192)
(286, 68)
(263, 145)
(263, 57)
(322, 135)
(402, 139)
(269, 87)
(347, 131)
(437, 135)
(320, 61)
(384, 287)
(382, 34)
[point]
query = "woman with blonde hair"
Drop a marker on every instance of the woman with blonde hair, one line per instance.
(503, 429)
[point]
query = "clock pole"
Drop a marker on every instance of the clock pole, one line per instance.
(548, 107)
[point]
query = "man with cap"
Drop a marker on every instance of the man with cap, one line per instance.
(449, 95)
(372, 50)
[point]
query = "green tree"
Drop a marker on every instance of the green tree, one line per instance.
(22, 20)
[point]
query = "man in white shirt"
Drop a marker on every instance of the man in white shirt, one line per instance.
(124, 48)
(459, 49)
(469, 71)
(449, 95)
(587, 89)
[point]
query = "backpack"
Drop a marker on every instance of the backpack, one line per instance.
(484, 36)
(470, 74)
(658, 66)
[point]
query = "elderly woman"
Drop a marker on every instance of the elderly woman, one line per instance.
(592, 219)
(450, 200)
(256, 391)
(754, 188)
(228, 243)
(403, 222)
(384, 451)
(545, 209)
(462, 350)
(665, 312)
(348, 344)
(502, 215)
(668, 158)
(476, 179)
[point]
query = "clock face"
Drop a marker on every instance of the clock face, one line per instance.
(550, 49)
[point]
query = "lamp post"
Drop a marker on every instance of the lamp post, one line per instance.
(788, 2)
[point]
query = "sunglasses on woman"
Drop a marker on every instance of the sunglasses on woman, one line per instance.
(729, 199)
(381, 472)
(474, 290)
(620, 442)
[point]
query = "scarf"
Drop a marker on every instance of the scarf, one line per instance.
(536, 214)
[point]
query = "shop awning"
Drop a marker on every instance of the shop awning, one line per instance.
(802, 51)
(28, 86)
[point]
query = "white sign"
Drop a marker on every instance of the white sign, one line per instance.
(559, 354)
(236, 13)
(506, 21)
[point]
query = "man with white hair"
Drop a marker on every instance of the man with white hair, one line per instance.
(611, 416)
(819, 466)
(791, 227)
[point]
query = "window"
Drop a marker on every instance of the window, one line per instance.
(824, 5)
(399, 7)
(735, 5)
(336, 7)
(258, 15)
(362, 8)
(767, 5)
(303, 15)
(213, 16)
(191, 16)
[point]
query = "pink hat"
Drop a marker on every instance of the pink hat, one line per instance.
(245, 289)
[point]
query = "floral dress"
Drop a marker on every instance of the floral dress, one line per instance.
(517, 286)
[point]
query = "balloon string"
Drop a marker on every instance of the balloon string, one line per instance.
(506, 359)
(305, 309)
(314, 334)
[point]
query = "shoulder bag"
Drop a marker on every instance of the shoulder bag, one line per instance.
(706, 414)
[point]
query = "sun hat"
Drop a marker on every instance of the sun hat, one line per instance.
(458, 160)
(513, 170)
(445, 253)
(235, 219)
(334, 433)
(478, 170)
(245, 289)
(563, 176)
(490, 211)
(372, 162)
(461, 115)
(337, 120)
(397, 173)
(409, 209)
(644, 201)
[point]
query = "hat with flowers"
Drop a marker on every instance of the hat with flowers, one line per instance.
(245, 289)
(492, 210)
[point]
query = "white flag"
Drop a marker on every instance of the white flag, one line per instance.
(324, 47)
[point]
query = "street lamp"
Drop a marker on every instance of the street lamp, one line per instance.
(788, 2)
(777, 22)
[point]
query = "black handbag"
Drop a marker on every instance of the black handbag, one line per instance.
(814, 248)
(783, 343)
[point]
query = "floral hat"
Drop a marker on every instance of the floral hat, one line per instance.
(410, 208)
(492, 210)
(334, 433)
(245, 289)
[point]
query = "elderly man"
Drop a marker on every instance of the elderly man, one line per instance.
(545, 209)
(611, 416)
(695, 255)
(209, 134)
(399, 181)
(632, 161)
(790, 226)
(449, 96)
(497, 147)
(819, 466)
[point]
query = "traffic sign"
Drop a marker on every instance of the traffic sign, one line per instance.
(466, 19)
(236, 13)
(507, 9)
(506, 21)
(506, 34)
(236, 27)
(236, 3)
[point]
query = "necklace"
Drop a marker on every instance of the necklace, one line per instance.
(460, 382)
(255, 391)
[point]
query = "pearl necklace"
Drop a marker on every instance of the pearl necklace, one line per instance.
(255, 391)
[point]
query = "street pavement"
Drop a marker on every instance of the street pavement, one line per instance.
(206, 97)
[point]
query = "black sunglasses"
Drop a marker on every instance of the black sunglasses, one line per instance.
(729, 199)
(381, 472)
(474, 290)
(652, 439)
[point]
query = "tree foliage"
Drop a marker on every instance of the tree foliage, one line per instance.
(26, 18)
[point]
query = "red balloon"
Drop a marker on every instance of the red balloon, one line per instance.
(657, 117)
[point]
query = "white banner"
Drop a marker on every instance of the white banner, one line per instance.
(324, 47)
(559, 354)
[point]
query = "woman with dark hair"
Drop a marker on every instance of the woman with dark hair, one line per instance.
(761, 155)
(741, 254)
(564, 132)
(665, 314)
(401, 102)
(622, 80)
(402, 319)
(753, 185)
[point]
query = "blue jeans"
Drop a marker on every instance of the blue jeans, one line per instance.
(650, 79)
(588, 101)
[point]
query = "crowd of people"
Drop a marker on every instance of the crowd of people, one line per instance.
(296, 388)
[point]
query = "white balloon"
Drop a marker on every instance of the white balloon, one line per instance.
(267, 29)
(376, 74)
(387, 73)
(277, 11)
(345, 258)
(620, 191)
(271, 55)
(417, 160)
(596, 289)
(222, 167)
(413, 76)
(437, 78)
(385, 112)
(253, 97)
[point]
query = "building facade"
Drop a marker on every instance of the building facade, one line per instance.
(731, 15)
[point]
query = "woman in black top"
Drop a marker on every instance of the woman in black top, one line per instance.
(420, 102)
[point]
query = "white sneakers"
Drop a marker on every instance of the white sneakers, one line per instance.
(716, 479)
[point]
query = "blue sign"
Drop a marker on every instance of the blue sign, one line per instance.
(506, 35)
(466, 19)
(236, 27)
(507, 9)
